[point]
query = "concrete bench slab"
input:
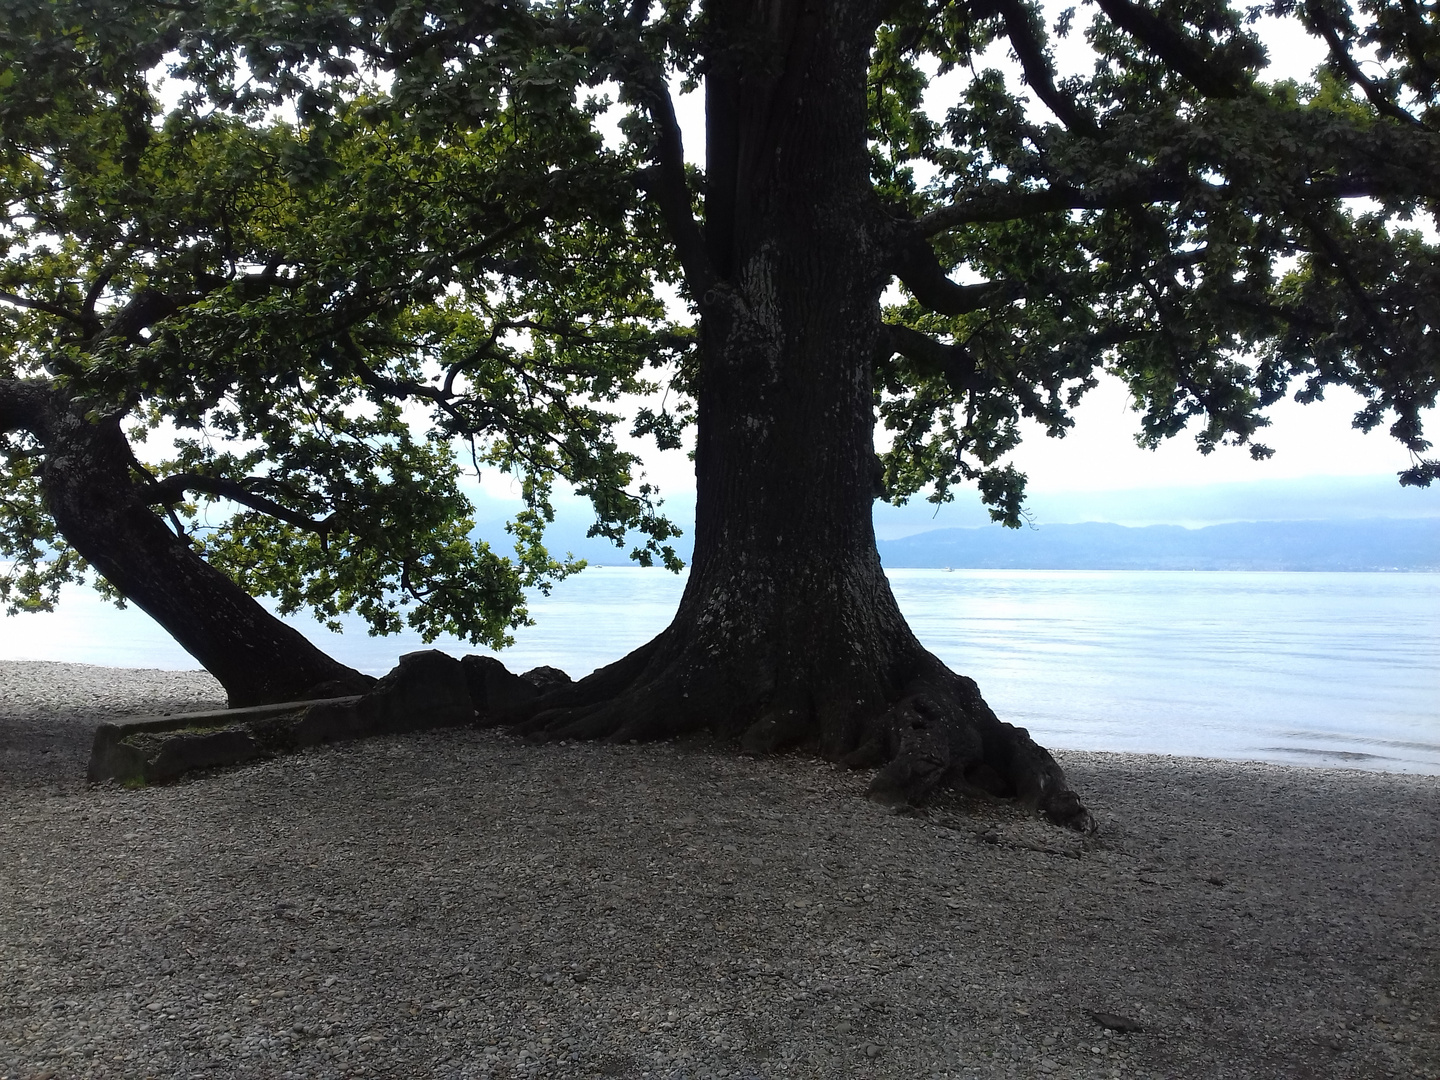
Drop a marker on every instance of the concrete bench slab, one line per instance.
(426, 690)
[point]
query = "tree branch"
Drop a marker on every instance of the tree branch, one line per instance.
(1001, 203)
(1039, 73)
(1342, 59)
(49, 309)
(953, 363)
(442, 396)
(1340, 260)
(141, 311)
(1179, 51)
(473, 252)
(175, 522)
(172, 489)
(674, 202)
(927, 281)
(956, 365)
(98, 286)
(665, 182)
(1004, 202)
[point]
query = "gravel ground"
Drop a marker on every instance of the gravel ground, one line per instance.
(49, 712)
(460, 904)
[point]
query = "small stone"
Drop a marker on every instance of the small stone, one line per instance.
(1048, 1064)
(1048, 1040)
(844, 1027)
(1115, 1022)
(872, 1050)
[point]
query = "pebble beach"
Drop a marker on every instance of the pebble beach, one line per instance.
(461, 904)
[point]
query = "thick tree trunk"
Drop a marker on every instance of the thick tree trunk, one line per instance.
(91, 493)
(788, 633)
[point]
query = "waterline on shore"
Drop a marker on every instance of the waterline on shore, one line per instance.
(1305, 668)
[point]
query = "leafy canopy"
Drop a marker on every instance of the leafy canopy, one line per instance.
(321, 311)
(441, 223)
(1215, 239)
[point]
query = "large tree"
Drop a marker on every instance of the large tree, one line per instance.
(227, 280)
(1214, 239)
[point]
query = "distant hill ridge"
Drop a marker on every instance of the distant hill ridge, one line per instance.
(1373, 544)
(1309, 523)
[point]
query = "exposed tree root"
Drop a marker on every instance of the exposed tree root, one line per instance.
(931, 729)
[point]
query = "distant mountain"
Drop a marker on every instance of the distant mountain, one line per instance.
(1309, 498)
(1375, 544)
(1312, 523)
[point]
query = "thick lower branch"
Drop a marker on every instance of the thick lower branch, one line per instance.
(89, 490)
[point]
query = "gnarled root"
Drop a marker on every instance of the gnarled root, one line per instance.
(934, 731)
(942, 734)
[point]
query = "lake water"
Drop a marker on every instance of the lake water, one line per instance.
(1321, 669)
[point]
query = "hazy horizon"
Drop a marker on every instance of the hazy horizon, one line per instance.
(1310, 498)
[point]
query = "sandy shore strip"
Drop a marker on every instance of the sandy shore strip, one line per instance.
(461, 904)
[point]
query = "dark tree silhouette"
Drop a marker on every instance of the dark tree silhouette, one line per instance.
(1214, 239)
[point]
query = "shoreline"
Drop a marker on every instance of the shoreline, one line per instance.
(463, 905)
(50, 707)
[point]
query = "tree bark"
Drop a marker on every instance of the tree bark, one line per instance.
(92, 494)
(788, 633)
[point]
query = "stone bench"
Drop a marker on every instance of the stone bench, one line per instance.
(426, 690)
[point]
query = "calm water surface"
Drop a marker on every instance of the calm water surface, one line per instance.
(1324, 669)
